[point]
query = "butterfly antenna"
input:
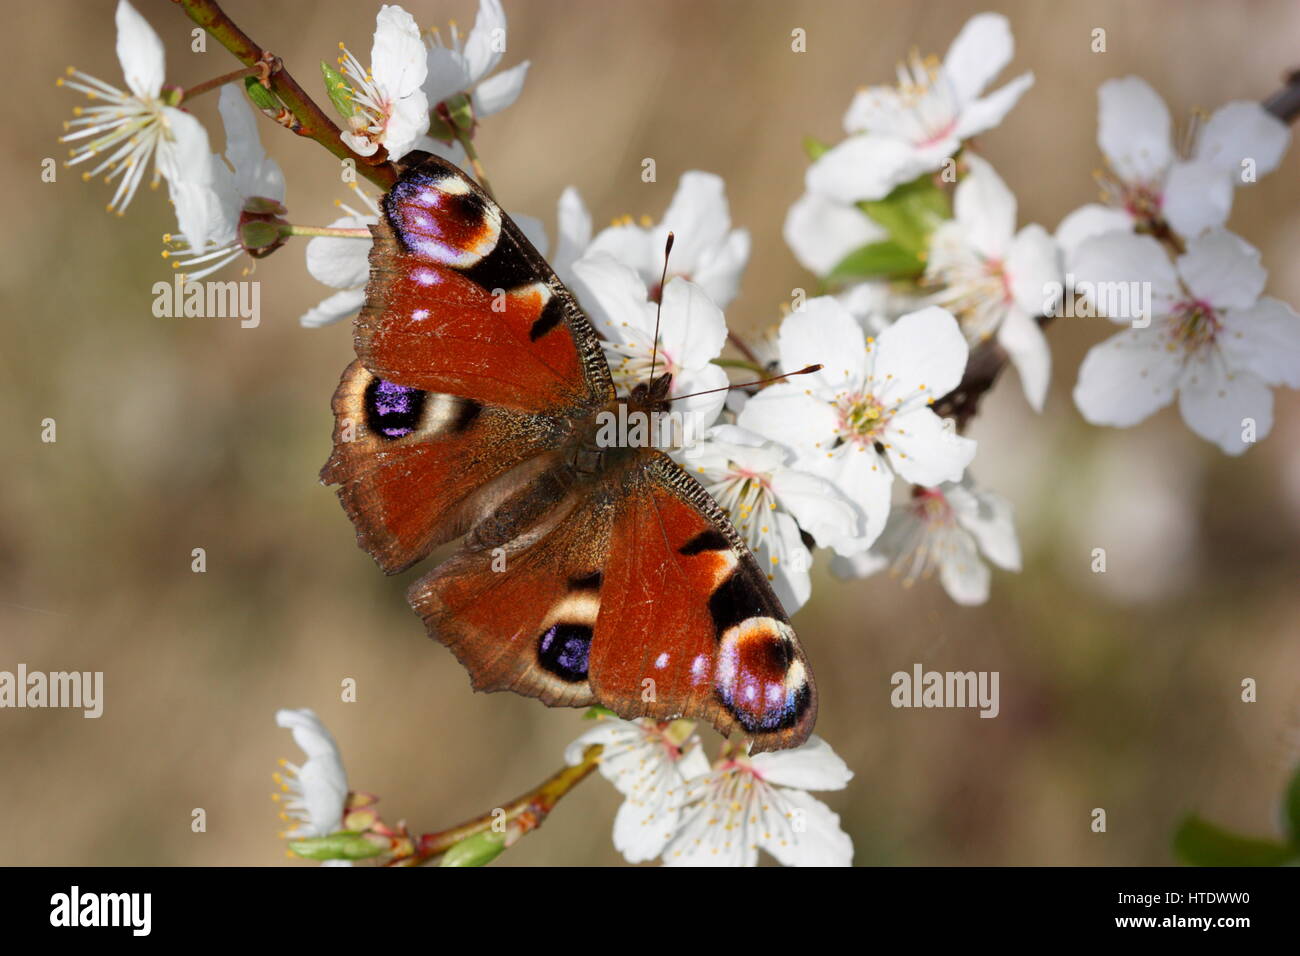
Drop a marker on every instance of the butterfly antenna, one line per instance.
(659, 308)
(806, 370)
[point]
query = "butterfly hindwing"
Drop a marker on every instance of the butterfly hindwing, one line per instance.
(520, 613)
(635, 593)
(689, 624)
(416, 469)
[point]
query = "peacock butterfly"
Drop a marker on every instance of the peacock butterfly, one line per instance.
(588, 574)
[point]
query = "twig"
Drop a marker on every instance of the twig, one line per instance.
(527, 811)
(1285, 103)
(312, 121)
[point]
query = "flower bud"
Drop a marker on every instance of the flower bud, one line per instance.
(478, 850)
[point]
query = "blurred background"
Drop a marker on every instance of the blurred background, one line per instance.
(1119, 690)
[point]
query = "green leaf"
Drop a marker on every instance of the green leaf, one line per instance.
(1291, 810)
(598, 711)
(478, 850)
(340, 93)
(1201, 843)
(884, 259)
(911, 212)
(262, 98)
(815, 148)
(344, 845)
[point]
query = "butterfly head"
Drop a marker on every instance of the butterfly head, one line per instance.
(652, 396)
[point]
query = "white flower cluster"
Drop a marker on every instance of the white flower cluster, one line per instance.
(1158, 258)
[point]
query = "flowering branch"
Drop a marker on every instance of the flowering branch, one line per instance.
(989, 359)
(311, 120)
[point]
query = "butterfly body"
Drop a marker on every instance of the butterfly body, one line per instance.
(591, 570)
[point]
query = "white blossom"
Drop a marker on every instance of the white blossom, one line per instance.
(692, 333)
(313, 795)
(762, 802)
(463, 67)
(994, 279)
(1150, 178)
(944, 529)
(122, 130)
(649, 763)
(1209, 337)
(898, 133)
(390, 107)
(865, 416)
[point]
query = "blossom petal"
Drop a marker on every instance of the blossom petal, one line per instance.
(983, 114)
(1264, 339)
(487, 40)
(789, 574)
(1023, 339)
(698, 216)
(1133, 129)
(691, 327)
(961, 572)
(255, 173)
(823, 333)
(978, 53)
(820, 509)
(873, 109)
(989, 518)
(788, 415)
(926, 451)
(817, 840)
(398, 59)
(640, 833)
(864, 167)
(446, 74)
(1126, 378)
(1197, 197)
(338, 306)
(1128, 262)
(1219, 405)
(920, 357)
(573, 232)
(813, 765)
(339, 262)
(821, 232)
(499, 92)
(865, 479)
(140, 52)
(1033, 269)
(1087, 221)
(986, 209)
(615, 298)
(185, 160)
(1240, 131)
(1223, 270)
(719, 268)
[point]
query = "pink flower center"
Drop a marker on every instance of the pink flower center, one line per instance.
(1194, 323)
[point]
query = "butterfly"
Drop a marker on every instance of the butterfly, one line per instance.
(589, 573)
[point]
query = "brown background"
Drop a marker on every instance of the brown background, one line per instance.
(1118, 691)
